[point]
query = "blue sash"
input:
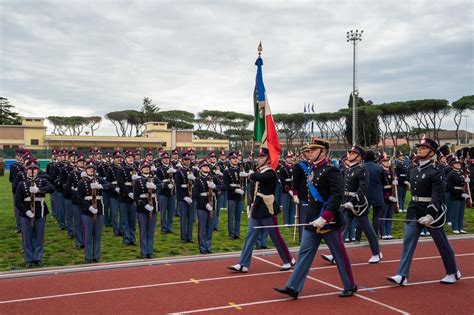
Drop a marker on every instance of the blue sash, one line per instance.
(312, 189)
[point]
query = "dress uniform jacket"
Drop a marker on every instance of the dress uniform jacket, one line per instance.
(124, 182)
(232, 182)
(201, 190)
(267, 179)
(286, 177)
(22, 196)
(401, 171)
(328, 181)
(165, 179)
(72, 184)
(111, 178)
(63, 177)
(140, 193)
(84, 194)
(356, 184)
(300, 188)
(183, 184)
(455, 185)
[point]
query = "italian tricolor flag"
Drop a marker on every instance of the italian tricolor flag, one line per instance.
(264, 127)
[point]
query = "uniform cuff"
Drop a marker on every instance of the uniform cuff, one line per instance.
(295, 192)
(327, 215)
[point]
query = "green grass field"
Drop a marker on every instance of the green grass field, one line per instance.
(61, 251)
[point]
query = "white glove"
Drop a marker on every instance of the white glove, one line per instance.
(191, 177)
(465, 196)
(296, 199)
(395, 182)
(426, 220)
(96, 186)
(467, 180)
(153, 168)
(83, 174)
(239, 191)
(318, 223)
(348, 205)
(29, 214)
(150, 185)
(171, 170)
(170, 186)
(34, 189)
(243, 174)
(208, 207)
(179, 165)
(218, 172)
(251, 172)
(117, 190)
(290, 192)
(188, 200)
(392, 199)
(149, 207)
(407, 183)
(135, 176)
(130, 195)
(211, 185)
(93, 210)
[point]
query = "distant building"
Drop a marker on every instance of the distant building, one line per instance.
(31, 134)
(447, 137)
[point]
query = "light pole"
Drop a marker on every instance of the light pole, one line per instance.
(354, 37)
(465, 134)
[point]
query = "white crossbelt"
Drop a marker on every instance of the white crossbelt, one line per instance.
(128, 183)
(90, 198)
(36, 199)
(184, 185)
(421, 199)
(403, 175)
(458, 188)
(165, 180)
(387, 186)
(288, 180)
(234, 185)
(349, 193)
(203, 194)
(146, 196)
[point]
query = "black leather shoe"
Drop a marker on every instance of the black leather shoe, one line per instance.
(28, 265)
(349, 292)
(288, 291)
(39, 263)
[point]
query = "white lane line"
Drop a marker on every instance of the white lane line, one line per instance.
(180, 282)
(339, 288)
(303, 297)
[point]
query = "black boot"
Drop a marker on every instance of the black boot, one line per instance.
(288, 291)
(348, 292)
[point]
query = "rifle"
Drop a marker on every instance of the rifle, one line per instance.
(94, 200)
(466, 187)
(396, 206)
(241, 181)
(150, 198)
(170, 177)
(190, 184)
(32, 204)
(210, 199)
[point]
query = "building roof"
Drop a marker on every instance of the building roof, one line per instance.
(448, 134)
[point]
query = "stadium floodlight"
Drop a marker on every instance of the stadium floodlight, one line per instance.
(354, 37)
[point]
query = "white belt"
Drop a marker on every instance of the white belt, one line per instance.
(184, 186)
(458, 188)
(36, 199)
(421, 199)
(74, 188)
(128, 183)
(114, 182)
(234, 185)
(387, 186)
(203, 194)
(403, 175)
(165, 180)
(90, 198)
(288, 180)
(349, 193)
(146, 196)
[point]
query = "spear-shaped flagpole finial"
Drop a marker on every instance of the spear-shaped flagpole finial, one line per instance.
(260, 48)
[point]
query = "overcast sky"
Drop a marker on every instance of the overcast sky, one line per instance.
(93, 57)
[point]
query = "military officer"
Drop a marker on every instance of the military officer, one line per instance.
(63, 176)
(33, 215)
(114, 190)
(166, 193)
(60, 189)
(50, 168)
(184, 187)
(264, 212)
(426, 209)
(455, 188)
(300, 190)
(326, 190)
(401, 172)
(286, 178)
(72, 184)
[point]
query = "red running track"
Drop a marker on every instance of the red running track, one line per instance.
(206, 286)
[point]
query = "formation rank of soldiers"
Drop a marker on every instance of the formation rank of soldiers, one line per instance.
(326, 200)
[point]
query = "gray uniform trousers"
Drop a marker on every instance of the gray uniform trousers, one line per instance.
(128, 219)
(92, 236)
(69, 215)
(17, 215)
(114, 215)
(234, 214)
(302, 209)
(78, 232)
(33, 238)
(60, 210)
(412, 233)
(309, 246)
(147, 232)
(186, 218)
(251, 238)
(167, 207)
(205, 229)
(365, 226)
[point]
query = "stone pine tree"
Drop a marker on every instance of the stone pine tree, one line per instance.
(7, 115)
(368, 132)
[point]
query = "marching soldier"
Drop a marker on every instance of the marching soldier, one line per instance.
(233, 180)
(50, 169)
(114, 191)
(389, 199)
(144, 190)
(33, 214)
(426, 209)
(63, 176)
(455, 186)
(326, 220)
(286, 178)
(102, 168)
(89, 192)
(60, 190)
(264, 212)
(355, 203)
(128, 212)
(166, 193)
(184, 188)
(72, 184)
(401, 172)
(175, 159)
(15, 168)
(204, 192)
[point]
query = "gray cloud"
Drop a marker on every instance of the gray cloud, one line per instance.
(92, 57)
